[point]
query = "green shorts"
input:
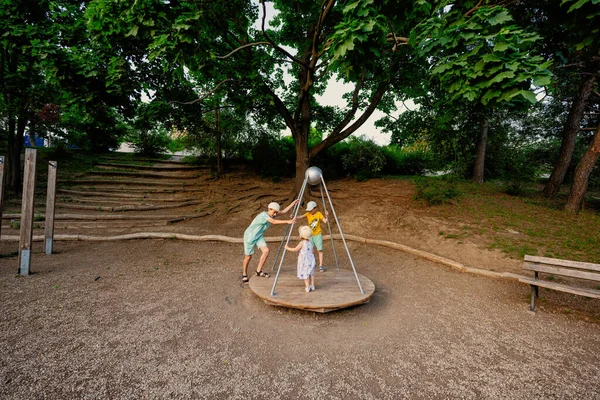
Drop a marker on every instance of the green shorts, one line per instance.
(249, 245)
(317, 240)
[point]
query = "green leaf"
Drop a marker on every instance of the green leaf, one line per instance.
(441, 68)
(500, 46)
(343, 48)
(577, 5)
(350, 7)
(500, 18)
(133, 31)
(491, 58)
(528, 95)
(542, 80)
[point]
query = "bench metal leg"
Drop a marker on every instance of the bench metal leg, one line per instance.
(534, 290)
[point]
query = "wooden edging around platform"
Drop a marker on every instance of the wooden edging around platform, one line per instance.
(271, 239)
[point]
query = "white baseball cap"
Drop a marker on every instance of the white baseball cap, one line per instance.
(274, 206)
(305, 232)
(311, 206)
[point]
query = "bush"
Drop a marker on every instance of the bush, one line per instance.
(519, 170)
(152, 142)
(274, 158)
(176, 145)
(364, 159)
(413, 161)
(434, 191)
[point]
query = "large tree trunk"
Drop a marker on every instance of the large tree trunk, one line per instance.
(569, 135)
(302, 119)
(479, 167)
(302, 157)
(218, 134)
(582, 174)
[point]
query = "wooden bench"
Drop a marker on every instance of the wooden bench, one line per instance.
(555, 266)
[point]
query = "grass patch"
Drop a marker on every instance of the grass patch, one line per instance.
(434, 191)
(524, 224)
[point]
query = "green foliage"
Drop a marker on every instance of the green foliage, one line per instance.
(480, 56)
(364, 159)
(150, 142)
(435, 191)
(409, 161)
(176, 145)
(274, 157)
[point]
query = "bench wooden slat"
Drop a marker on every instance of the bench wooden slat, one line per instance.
(563, 288)
(592, 276)
(563, 263)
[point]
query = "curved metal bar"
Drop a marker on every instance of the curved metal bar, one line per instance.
(342, 235)
(337, 263)
(287, 240)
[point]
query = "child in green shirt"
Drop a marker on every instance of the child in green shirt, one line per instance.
(253, 236)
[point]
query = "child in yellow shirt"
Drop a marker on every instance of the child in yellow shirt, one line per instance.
(314, 218)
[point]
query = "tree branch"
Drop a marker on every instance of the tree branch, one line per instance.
(472, 10)
(355, 105)
(333, 139)
(291, 57)
(281, 108)
(204, 96)
(398, 40)
(240, 48)
(325, 9)
(394, 35)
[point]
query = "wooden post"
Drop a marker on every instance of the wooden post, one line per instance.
(50, 207)
(1, 192)
(27, 209)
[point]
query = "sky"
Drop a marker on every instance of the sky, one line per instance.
(333, 96)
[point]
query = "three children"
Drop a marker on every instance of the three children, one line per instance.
(312, 236)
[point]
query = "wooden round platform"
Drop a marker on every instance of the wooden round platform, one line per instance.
(335, 289)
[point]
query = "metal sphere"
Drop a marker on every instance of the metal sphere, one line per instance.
(313, 174)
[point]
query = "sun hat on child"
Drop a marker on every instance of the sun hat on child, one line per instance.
(311, 205)
(305, 232)
(274, 206)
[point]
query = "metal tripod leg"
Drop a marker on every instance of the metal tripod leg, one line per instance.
(287, 229)
(342, 235)
(287, 240)
(329, 228)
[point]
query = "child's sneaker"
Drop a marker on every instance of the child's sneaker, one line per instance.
(307, 289)
(312, 287)
(321, 268)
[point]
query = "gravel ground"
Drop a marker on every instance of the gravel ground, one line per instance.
(169, 319)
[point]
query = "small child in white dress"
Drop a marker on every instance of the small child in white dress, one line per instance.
(306, 258)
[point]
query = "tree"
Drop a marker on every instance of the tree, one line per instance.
(582, 174)
(23, 48)
(570, 30)
(368, 44)
(482, 59)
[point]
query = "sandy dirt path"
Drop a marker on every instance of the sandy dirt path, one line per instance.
(168, 319)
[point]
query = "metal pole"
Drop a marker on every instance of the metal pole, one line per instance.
(329, 227)
(294, 211)
(342, 234)
(287, 240)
